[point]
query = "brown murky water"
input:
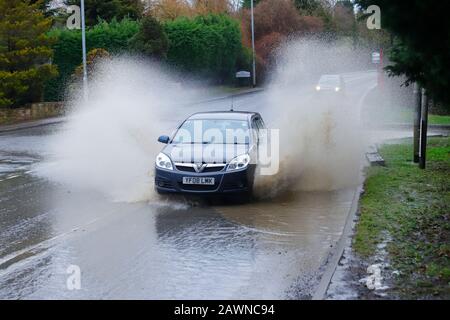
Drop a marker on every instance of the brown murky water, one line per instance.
(169, 248)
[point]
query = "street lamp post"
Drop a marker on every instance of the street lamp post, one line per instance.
(83, 45)
(417, 117)
(423, 129)
(253, 44)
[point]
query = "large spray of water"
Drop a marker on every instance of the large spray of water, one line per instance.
(109, 143)
(320, 134)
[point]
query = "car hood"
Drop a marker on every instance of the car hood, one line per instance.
(207, 153)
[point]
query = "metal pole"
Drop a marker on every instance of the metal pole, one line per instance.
(417, 116)
(423, 130)
(253, 44)
(380, 70)
(83, 45)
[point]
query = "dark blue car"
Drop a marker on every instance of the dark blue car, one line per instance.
(210, 153)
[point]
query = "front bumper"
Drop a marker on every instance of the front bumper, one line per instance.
(241, 181)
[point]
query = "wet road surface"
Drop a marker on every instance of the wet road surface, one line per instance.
(173, 248)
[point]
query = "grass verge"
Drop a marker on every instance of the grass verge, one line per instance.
(441, 120)
(413, 206)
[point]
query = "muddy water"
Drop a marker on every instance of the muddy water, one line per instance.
(293, 214)
(172, 248)
(176, 250)
(168, 248)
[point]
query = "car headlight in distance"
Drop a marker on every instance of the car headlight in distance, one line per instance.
(337, 89)
(318, 88)
(240, 162)
(163, 161)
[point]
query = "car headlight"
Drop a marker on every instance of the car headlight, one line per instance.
(163, 161)
(240, 162)
(318, 88)
(337, 89)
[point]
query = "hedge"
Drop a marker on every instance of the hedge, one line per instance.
(208, 46)
(113, 37)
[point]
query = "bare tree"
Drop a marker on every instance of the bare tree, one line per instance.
(169, 9)
(211, 6)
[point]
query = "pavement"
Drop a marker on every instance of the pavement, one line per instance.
(32, 124)
(168, 248)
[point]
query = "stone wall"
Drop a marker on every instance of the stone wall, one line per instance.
(33, 111)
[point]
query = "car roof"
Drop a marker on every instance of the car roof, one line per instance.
(228, 115)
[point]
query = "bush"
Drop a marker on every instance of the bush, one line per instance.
(244, 59)
(113, 37)
(93, 57)
(151, 39)
(206, 45)
(276, 21)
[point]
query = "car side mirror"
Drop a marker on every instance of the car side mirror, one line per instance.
(164, 139)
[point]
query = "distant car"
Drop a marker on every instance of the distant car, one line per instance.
(331, 83)
(210, 153)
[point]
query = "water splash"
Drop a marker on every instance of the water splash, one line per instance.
(109, 143)
(320, 135)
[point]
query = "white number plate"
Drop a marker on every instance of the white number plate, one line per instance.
(198, 180)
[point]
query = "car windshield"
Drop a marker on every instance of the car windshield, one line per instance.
(329, 80)
(218, 131)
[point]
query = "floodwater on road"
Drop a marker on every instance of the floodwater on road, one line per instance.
(170, 248)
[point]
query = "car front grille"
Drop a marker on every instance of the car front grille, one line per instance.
(189, 167)
(185, 168)
(214, 169)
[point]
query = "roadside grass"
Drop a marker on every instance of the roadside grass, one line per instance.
(407, 116)
(413, 206)
(436, 119)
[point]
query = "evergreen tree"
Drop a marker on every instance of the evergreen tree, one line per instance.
(247, 3)
(421, 49)
(151, 40)
(25, 52)
(108, 10)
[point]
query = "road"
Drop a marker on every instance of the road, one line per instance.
(168, 249)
